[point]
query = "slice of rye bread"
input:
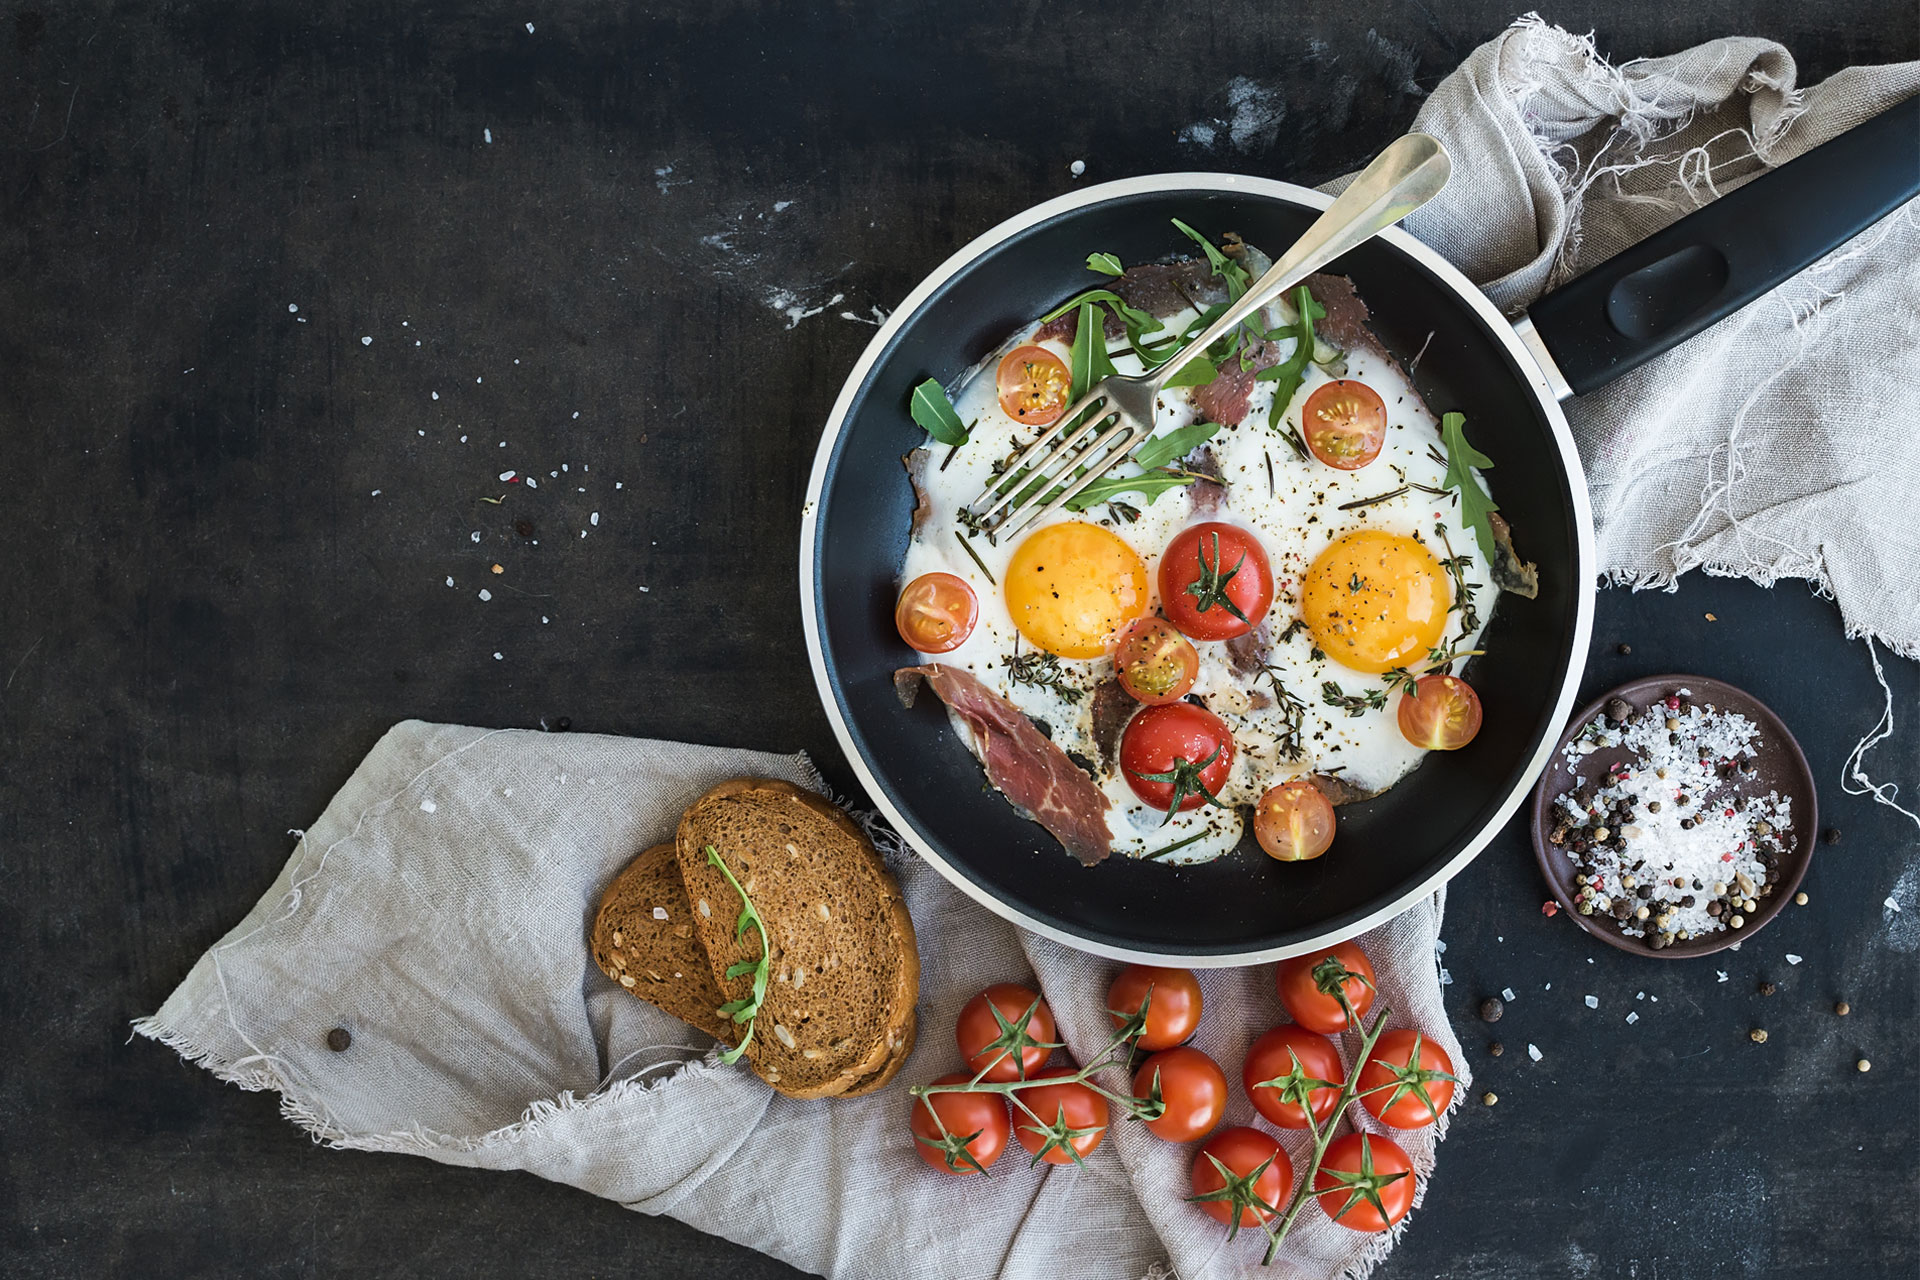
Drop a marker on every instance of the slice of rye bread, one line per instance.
(838, 1014)
(659, 960)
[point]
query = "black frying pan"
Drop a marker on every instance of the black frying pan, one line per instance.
(1507, 379)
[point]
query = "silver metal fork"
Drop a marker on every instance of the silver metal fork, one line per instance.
(1100, 430)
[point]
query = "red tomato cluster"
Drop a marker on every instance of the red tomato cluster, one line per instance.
(1293, 1076)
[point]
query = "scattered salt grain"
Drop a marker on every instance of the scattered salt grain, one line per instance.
(576, 413)
(619, 485)
(449, 579)
(1548, 987)
(1533, 1051)
(1720, 974)
(543, 619)
(1593, 1002)
(1632, 1018)
(463, 439)
(420, 433)
(292, 307)
(1792, 958)
(497, 657)
(583, 533)
(1641, 995)
(436, 396)
(659, 913)
(1446, 979)
(428, 806)
(1077, 168)
(645, 590)
(476, 535)
(1506, 993)
(594, 519)
(488, 134)
(374, 494)
(485, 594)
(1890, 904)
(529, 28)
(366, 341)
(508, 475)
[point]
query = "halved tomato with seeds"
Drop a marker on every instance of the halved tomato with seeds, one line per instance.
(936, 613)
(1345, 423)
(1033, 384)
(1440, 713)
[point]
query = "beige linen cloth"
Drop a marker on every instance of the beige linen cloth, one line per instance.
(438, 909)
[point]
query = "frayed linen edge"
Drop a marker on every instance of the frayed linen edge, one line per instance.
(418, 1141)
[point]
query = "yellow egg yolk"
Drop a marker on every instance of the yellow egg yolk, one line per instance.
(1375, 601)
(1072, 587)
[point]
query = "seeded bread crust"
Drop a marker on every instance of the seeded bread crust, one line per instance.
(661, 961)
(846, 967)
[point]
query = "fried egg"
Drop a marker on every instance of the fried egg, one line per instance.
(1373, 568)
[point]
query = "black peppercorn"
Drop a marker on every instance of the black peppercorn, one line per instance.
(1625, 649)
(339, 1039)
(523, 527)
(1492, 1008)
(1496, 1048)
(1767, 988)
(1832, 836)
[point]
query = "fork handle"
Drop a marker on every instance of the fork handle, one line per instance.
(1401, 178)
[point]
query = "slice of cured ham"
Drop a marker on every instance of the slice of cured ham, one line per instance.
(1032, 772)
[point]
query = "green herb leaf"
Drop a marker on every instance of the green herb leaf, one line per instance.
(935, 413)
(747, 1008)
(1129, 315)
(1231, 273)
(1475, 502)
(1289, 373)
(1174, 445)
(1149, 486)
(1197, 372)
(1089, 361)
(1105, 264)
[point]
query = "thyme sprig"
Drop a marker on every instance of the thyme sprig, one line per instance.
(1463, 591)
(1357, 704)
(1293, 712)
(1042, 670)
(747, 1007)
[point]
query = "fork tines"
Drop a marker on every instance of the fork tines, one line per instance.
(1091, 436)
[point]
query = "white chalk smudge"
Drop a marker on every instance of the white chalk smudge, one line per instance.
(1901, 913)
(878, 317)
(1252, 121)
(794, 307)
(781, 206)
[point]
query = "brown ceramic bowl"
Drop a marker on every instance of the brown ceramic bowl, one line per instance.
(1779, 766)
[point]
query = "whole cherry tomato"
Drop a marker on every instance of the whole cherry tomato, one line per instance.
(1277, 1072)
(1014, 1050)
(1298, 983)
(1071, 1118)
(1404, 1066)
(1224, 1171)
(1192, 1086)
(1176, 757)
(976, 1128)
(1215, 581)
(1173, 1010)
(1365, 1182)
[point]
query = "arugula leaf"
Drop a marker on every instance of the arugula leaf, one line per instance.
(1230, 272)
(935, 413)
(1289, 373)
(1148, 486)
(1128, 314)
(747, 1008)
(1089, 362)
(1197, 372)
(1105, 264)
(1174, 445)
(1475, 502)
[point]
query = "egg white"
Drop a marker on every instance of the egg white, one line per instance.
(1295, 519)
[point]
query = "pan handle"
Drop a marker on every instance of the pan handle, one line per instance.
(1709, 264)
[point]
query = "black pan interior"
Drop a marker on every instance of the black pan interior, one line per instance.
(1243, 902)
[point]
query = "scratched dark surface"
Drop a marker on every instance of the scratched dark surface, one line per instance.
(208, 616)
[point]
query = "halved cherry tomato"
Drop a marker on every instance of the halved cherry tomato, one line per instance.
(1176, 757)
(936, 612)
(1313, 1008)
(1277, 1069)
(1294, 821)
(1404, 1064)
(1033, 384)
(1070, 1115)
(1345, 423)
(985, 1042)
(1173, 1011)
(1440, 713)
(1155, 663)
(1242, 1150)
(976, 1132)
(1356, 1165)
(1215, 581)
(1193, 1087)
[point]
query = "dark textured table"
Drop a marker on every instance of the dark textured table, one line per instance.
(286, 287)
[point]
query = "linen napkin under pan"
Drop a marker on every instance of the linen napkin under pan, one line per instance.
(438, 910)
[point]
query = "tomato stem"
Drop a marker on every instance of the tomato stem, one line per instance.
(1132, 1029)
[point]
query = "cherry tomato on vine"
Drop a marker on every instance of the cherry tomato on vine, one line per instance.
(1215, 581)
(1155, 663)
(1440, 713)
(1192, 1086)
(1176, 757)
(976, 1128)
(936, 613)
(1313, 1008)
(1173, 1012)
(1403, 1065)
(1344, 423)
(1070, 1116)
(1365, 1182)
(1033, 384)
(1242, 1150)
(1278, 1068)
(1294, 821)
(1014, 1050)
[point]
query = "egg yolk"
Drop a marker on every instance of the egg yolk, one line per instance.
(1072, 587)
(1375, 601)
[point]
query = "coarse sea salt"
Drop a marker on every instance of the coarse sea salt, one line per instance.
(1506, 993)
(1670, 776)
(1593, 1002)
(1632, 1017)
(1533, 1052)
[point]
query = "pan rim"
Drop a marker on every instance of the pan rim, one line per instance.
(1492, 321)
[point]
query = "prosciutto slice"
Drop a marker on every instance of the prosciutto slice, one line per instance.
(1032, 772)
